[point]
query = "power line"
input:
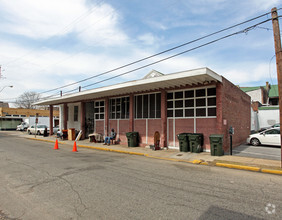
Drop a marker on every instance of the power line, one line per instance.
(161, 60)
(178, 54)
(243, 31)
(154, 55)
(75, 21)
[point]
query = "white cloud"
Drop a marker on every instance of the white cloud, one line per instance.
(148, 39)
(249, 73)
(39, 19)
(45, 19)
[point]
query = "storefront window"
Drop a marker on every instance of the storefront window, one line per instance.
(192, 103)
(148, 106)
(119, 108)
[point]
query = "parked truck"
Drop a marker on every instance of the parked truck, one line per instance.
(29, 121)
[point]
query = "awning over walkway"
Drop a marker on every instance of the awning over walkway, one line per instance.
(190, 77)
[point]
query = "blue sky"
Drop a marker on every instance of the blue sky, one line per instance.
(47, 44)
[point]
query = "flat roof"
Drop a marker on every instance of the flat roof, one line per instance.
(167, 81)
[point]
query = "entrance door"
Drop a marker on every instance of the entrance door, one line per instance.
(89, 118)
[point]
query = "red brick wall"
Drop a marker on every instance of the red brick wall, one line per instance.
(99, 126)
(123, 129)
(140, 127)
(113, 124)
(207, 126)
(236, 110)
(153, 126)
(181, 126)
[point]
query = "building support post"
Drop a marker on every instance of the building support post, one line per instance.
(65, 116)
(278, 54)
(82, 120)
(164, 118)
(51, 120)
(131, 113)
(106, 117)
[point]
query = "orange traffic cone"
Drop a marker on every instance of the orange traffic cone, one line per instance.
(56, 145)
(74, 149)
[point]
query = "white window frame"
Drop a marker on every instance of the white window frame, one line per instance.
(136, 105)
(127, 103)
(206, 107)
(99, 113)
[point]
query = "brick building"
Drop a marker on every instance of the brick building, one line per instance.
(11, 117)
(194, 101)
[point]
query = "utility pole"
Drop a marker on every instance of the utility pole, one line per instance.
(278, 54)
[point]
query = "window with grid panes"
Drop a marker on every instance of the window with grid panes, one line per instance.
(148, 105)
(99, 109)
(192, 103)
(119, 108)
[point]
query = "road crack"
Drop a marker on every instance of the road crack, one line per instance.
(53, 178)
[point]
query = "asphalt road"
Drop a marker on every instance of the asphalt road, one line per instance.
(37, 182)
(263, 151)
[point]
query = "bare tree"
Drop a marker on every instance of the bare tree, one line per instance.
(27, 99)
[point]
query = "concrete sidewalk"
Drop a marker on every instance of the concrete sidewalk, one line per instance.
(203, 158)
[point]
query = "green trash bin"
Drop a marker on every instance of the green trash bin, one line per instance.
(132, 139)
(216, 144)
(183, 142)
(196, 141)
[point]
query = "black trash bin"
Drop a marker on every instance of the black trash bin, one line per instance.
(132, 139)
(183, 142)
(216, 141)
(196, 141)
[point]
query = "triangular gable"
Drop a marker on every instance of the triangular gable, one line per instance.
(152, 74)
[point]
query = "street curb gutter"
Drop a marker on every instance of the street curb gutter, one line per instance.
(240, 167)
(200, 162)
(36, 139)
(279, 172)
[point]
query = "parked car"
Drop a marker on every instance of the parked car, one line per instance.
(22, 127)
(39, 129)
(277, 125)
(267, 137)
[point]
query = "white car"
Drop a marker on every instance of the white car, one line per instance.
(267, 137)
(39, 129)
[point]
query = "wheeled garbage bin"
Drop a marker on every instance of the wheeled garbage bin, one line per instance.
(196, 142)
(216, 141)
(132, 139)
(183, 142)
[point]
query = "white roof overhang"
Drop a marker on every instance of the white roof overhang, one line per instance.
(190, 77)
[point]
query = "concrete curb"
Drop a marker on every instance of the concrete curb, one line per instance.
(36, 139)
(112, 150)
(200, 162)
(240, 167)
(279, 172)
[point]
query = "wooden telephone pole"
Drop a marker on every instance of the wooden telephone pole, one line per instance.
(278, 54)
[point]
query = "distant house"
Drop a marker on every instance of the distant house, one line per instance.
(192, 101)
(273, 95)
(258, 93)
(265, 105)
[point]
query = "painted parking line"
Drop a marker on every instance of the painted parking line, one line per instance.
(242, 152)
